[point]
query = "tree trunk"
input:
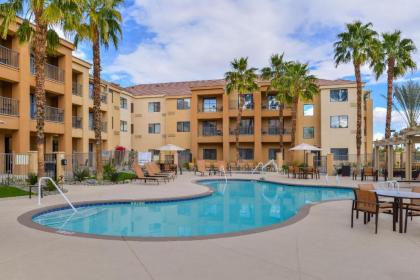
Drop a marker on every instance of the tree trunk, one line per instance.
(238, 125)
(97, 116)
(281, 128)
(359, 114)
(391, 65)
(39, 50)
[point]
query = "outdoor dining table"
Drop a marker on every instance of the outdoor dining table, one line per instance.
(398, 208)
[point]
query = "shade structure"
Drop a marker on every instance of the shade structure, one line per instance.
(305, 147)
(169, 148)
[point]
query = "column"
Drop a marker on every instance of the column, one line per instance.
(408, 160)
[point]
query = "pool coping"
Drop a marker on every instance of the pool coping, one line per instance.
(26, 218)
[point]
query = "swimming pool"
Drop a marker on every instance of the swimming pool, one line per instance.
(235, 207)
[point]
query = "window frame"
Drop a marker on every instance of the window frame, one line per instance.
(242, 150)
(152, 128)
(154, 105)
(339, 121)
(339, 95)
(182, 125)
(313, 109)
(181, 103)
(313, 132)
(123, 126)
(123, 103)
(211, 108)
(270, 150)
(340, 156)
(208, 150)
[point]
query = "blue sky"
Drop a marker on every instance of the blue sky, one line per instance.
(166, 40)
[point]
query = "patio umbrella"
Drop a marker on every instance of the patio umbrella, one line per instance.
(305, 147)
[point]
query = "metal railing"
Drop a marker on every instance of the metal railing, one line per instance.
(52, 114)
(233, 105)
(270, 106)
(210, 131)
(51, 71)
(14, 168)
(210, 109)
(9, 106)
(104, 126)
(77, 122)
(243, 131)
(9, 57)
(274, 131)
(77, 89)
(104, 97)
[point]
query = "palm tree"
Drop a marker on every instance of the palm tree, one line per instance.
(356, 45)
(240, 80)
(393, 54)
(36, 27)
(101, 26)
(299, 85)
(407, 97)
(275, 73)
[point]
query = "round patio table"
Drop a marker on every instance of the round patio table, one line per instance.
(398, 208)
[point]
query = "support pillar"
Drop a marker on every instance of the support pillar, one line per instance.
(330, 165)
(390, 164)
(408, 160)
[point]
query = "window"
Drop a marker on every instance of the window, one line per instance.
(210, 128)
(183, 103)
(308, 110)
(112, 122)
(132, 128)
(123, 103)
(308, 133)
(154, 128)
(183, 126)
(339, 121)
(246, 154)
(248, 101)
(246, 126)
(340, 153)
(209, 104)
(272, 153)
(338, 95)
(273, 127)
(132, 107)
(210, 154)
(90, 91)
(123, 126)
(273, 104)
(154, 106)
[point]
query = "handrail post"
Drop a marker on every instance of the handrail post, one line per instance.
(58, 189)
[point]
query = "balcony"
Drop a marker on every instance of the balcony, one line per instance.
(9, 57)
(9, 106)
(52, 114)
(272, 130)
(243, 131)
(77, 89)
(210, 135)
(77, 122)
(210, 131)
(211, 109)
(233, 105)
(52, 72)
(104, 126)
(270, 106)
(104, 97)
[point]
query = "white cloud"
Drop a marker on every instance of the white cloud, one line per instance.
(379, 119)
(80, 54)
(196, 39)
(378, 136)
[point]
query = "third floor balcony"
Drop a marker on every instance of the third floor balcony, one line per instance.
(104, 125)
(52, 114)
(52, 72)
(9, 57)
(9, 106)
(77, 122)
(77, 89)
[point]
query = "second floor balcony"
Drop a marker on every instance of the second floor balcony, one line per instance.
(77, 122)
(211, 131)
(104, 126)
(77, 89)
(273, 130)
(9, 57)
(104, 97)
(52, 72)
(9, 106)
(243, 131)
(52, 114)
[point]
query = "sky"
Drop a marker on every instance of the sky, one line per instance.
(167, 40)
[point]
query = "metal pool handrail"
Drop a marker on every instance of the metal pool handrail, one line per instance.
(58, 189)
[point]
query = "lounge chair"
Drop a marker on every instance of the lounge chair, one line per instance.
(201, 167)
(140, 175)
(412, 208)
(369, 172)
(155, 167)
(367, 201)
(152, 173)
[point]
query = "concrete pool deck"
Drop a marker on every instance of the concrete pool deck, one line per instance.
(321, 246)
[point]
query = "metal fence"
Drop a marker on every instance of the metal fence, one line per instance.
(14, 168)
(9, 57)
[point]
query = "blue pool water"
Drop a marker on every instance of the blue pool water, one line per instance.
(233, 207)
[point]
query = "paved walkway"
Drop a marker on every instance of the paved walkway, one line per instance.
(321, 246)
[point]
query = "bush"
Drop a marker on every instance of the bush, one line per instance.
(122, 176)
(81, 174)
(32, 179)
(109, 169)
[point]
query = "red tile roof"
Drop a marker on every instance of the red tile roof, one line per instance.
(184, 88)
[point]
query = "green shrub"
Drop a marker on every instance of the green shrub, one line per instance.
(32, 179)
(109, 169)
(81, 174)
(122, 176)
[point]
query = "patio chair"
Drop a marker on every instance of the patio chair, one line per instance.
(140, 175)
(369, 172)
(201, 167)
(412, 208)
(156, 169)
(152, 173)
(367, 202)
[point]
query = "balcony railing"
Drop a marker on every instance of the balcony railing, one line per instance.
(9, 106)
(210, 109)
(104, 126)
(52, 114)
(211, 131)
(104, 97)
(51, 71)
(77, 122)
(270, 106)
(233, 105)
(77, 89)
(9, 57)
(272, 130)
(243, 131)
